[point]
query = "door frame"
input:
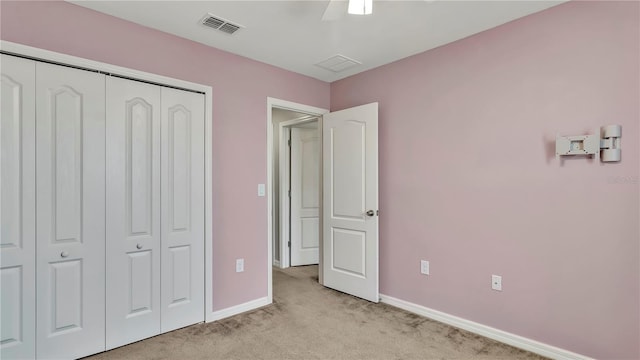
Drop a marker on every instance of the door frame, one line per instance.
(38, 54)
(300, 108)
(285, 173)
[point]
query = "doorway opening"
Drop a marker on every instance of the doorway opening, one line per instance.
(347, 199)
(294, 186)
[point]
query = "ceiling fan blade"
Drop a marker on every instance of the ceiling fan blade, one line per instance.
(335, 10)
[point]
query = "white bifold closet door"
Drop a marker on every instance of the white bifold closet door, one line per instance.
(182, 211)
(133, 211)
(101, 210)
(70, 188)
(155, 210)
(17, 208)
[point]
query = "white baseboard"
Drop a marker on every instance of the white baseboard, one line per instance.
(235, 310)
(486, 331)
(276, 263)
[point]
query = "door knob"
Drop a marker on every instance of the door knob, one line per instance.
(139, 246)
(64, 254)
(370, 213)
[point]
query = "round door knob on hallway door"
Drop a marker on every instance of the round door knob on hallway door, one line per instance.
(370, 213)
(139, 246)
(64, 254)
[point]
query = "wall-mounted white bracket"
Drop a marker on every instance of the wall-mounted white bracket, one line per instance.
(577, 145)
(608, 146)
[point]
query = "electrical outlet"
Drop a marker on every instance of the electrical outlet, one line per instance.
(424, 267)
(496, 282)
(239, 265)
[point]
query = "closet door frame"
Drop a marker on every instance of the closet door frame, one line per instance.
(51, 56)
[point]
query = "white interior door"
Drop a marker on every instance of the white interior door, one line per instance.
(305, 196)
(182, 214)
(70, 188)
(17, 209)
(350, 201)
(133, 211)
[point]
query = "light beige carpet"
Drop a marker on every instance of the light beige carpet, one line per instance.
(308, 321)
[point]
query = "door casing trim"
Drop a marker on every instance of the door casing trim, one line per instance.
(301, 108)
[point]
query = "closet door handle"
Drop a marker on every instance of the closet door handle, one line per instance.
(139, 246)
(64, 254)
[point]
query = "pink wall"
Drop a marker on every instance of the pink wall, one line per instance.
(240, 90)
(469, 179)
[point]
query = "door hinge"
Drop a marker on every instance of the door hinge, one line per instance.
(289, 142)
(289, 243)
(377, 212)
(289, 193)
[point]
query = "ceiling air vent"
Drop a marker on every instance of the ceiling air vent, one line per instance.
(220, 24)
(338, 63)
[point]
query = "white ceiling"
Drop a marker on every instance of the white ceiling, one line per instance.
(292, 35)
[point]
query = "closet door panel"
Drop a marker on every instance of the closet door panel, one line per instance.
(182, 209)
(70, 188)
(17, 208)
(133, 211)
